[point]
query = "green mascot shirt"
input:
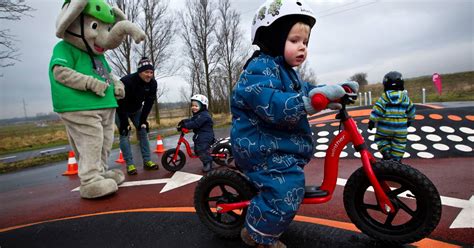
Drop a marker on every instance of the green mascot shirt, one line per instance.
(66, 99)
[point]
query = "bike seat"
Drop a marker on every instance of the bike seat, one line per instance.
(312, 191)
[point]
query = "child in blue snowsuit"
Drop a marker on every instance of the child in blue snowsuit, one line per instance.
(201, 123)
(270, 135)
(393, 113)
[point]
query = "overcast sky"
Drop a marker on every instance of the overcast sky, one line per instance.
(415, 37)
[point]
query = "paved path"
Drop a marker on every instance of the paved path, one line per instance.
(39, 207)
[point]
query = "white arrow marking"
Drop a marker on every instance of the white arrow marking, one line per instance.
(465, 218)
(177, 180)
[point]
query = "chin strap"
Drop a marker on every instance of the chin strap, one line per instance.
(82, 36)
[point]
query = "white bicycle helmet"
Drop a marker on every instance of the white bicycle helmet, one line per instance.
(200, 98)
(273, 10)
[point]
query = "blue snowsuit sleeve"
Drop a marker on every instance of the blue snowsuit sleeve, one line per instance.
(262, 91)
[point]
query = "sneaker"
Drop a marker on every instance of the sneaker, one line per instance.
(131, 170)
(149, 165)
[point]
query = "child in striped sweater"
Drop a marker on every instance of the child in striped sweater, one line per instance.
(393, 113)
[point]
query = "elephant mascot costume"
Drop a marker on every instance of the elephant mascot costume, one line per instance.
(83, 89)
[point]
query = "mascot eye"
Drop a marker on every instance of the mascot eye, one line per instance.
(94, 25)
(110, 28)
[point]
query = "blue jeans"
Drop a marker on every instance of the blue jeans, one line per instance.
(142, 139)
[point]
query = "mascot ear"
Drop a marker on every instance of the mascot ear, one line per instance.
(119, 15)
(69, 12)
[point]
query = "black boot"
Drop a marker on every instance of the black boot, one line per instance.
(207, 167)
(386, 155)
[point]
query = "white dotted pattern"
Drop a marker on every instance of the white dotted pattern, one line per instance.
(433, 137)
(446, 129)
(425, 155)
(413, 137)
(454, 138)
(322, 147)
(419, 147)
(441, 147)
(320, 154)
(463, 148)
(323, 133)
(421, 150)
(466, 130)
(374, 146)
(427, 129)
(322, 140)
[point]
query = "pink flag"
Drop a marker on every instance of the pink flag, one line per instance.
(437, 82)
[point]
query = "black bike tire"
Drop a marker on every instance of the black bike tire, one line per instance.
(216, 149)
(391, 170)
(168, 156)
(218, 178)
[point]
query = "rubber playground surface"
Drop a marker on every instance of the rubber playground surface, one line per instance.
(41, 208)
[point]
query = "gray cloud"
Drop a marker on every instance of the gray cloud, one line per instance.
(416, 37)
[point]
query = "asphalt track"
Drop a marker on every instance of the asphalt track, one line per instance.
(39, 207)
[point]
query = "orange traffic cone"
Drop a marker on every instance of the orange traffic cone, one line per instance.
(120, 160)
(71, 165)
(159, 145)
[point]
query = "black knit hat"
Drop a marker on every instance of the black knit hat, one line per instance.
(145, 64)
(273, 38)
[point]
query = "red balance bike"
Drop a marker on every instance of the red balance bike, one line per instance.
(387, 200)
(174, 159)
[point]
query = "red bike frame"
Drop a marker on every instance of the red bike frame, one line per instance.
(188, 147)
(349, 134)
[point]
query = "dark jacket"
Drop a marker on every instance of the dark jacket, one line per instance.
(201, 123)
(138, 93)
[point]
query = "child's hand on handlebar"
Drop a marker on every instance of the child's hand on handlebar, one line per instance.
(328, 96)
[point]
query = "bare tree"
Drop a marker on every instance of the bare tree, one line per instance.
(158, 25)
(123, 56)
(198, 21)
(360, 78)
(307, 74)
(230, 47)
(11, 10)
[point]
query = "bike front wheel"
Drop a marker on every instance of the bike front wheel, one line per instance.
(416, 200)
(222, 186)
(173, 165)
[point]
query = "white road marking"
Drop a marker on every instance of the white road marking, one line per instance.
(52, 150)
(5, 158)
(177, 180)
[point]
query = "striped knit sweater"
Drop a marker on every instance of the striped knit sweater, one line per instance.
(392, 111)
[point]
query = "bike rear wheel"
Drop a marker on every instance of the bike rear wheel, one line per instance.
(222, 186)
(168, 163)
(223, 148)
(416, 200)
